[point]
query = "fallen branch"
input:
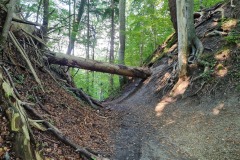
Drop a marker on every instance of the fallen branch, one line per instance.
(85, 96)
(24, 55)
(216, 33)
(78, 62)
(35, 37)
(60, 136)
(11, 82)
(96, 102)
(26, 22)
(40, 104)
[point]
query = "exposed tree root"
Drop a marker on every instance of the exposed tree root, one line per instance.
(18, 120)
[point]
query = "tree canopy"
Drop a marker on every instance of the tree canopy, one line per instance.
(147, 25)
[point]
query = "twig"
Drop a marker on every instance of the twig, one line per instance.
(11, 82)
(35, 37)
(198, 89)
(214, 86)
(40, 104)
(76, 72)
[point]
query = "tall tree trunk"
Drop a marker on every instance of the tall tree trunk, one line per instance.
(88, 45)
(38, 10)
(3, 38)
(76, 27)
(69, 20)
(111, 54)
(93, 75)
(45, 19)
(77, 62)
(122, 37)
(187, 38)
(173, 11)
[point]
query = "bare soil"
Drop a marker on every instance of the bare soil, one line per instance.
(199, 120)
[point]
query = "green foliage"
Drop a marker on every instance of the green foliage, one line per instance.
(20, 79)
(148, 25)
(205, 3)
(98, 85)
(234, 36)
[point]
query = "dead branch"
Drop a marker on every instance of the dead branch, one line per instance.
(25, 22)
(78, 62)
(216, 33)
(35, 37)
(60, 136)
(11, 82)
(24, 55)
(40, 104)
(79, 92)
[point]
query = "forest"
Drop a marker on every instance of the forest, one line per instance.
(93, 28)
(117, 79)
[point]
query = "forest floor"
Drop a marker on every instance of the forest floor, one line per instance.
(146, 122)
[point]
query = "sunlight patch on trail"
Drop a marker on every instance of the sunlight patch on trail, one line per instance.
(217, 109)
(178, 90)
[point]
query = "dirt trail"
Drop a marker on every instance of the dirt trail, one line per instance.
(206, 126)
(202, 123)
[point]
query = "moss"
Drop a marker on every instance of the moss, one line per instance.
(234, 35)
(238, 88)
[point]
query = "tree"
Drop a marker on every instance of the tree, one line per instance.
(7, 24)
(45, 19)
(173, 9)
(88, 41)
(77, 62)
(76, 27)
(122, 37)
(111, 54)
(188, 42)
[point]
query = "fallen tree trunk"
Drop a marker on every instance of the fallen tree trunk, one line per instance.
(78, 62)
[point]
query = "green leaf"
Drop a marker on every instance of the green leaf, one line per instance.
(7, 89)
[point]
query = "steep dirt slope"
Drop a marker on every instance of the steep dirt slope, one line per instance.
(202, 121)
(77, 121)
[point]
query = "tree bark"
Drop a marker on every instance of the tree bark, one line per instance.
(45, 19)
(18, 120)
(173, 10)
(75, 27)
(122, 37)
(188, 42)
(7, 24)
(111, 54)
(77, 62)
(88, 44)
(38, 10)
